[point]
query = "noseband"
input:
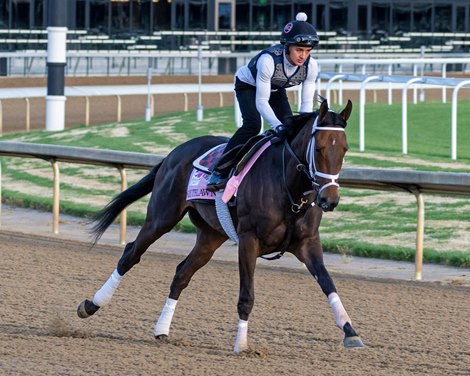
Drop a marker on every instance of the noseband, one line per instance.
(310, 156)
(312, 172)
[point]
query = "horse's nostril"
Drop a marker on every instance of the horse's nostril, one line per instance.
(327, 205)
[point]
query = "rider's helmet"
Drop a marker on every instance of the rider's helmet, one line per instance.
(299, 33)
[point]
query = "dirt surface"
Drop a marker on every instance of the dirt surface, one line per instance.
(408, 328)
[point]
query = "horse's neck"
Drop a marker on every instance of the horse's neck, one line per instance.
(301, 141)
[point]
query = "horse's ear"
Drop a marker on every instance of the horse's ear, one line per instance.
(346, 113)
(323, 110)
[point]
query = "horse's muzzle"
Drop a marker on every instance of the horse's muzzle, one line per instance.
(328, 203)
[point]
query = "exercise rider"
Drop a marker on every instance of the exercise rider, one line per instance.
(260, 87)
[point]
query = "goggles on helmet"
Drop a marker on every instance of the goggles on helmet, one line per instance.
(303, 40)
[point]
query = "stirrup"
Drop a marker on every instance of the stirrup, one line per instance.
(216, 182)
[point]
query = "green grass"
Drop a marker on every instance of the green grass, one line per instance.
(429, 130)
(366, 223)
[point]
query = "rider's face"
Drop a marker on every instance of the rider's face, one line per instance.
(297, 55)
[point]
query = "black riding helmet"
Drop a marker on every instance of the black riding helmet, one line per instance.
(299, 33)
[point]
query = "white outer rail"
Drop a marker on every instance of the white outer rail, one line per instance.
(118, 91)
(406, 81)
(404, 114)
(362, 102)
(455, 94)
(330, 83)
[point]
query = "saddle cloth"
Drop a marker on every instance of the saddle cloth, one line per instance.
(197, 184)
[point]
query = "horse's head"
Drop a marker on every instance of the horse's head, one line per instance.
(325, 152)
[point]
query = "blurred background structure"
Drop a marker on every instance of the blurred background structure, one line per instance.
(362, 26)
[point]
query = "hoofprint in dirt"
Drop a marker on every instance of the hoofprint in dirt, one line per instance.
(408, 328)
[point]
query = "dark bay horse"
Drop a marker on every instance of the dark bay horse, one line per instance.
(279, 206)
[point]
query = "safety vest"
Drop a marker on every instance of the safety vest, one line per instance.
(279, 79)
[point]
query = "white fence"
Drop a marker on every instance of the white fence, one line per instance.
(404, 82)
(185, 62)
(335, 77)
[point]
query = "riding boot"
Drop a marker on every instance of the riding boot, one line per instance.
(216, 181)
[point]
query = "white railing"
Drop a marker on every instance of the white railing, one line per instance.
(402, 82)
(185, 62)
(383, 82)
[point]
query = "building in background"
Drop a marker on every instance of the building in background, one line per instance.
(113, 17)
(145, 22)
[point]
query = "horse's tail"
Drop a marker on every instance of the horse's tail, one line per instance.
(106, 216)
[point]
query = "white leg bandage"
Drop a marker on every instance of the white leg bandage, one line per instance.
(105, 293)
(241, 343)
(162, 327)
(341, 316)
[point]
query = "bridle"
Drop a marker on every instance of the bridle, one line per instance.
(311, 172)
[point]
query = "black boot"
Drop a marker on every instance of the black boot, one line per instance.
(216, 181)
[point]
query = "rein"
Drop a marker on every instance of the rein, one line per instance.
(312, 172)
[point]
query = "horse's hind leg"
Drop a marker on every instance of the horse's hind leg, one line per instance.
(154, 227)
(208, 240)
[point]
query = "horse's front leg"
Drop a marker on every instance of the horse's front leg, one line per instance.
(247, 254)
(311, 255)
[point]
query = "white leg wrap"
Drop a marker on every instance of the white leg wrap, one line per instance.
(105, 293)
(241, 343)
(162, 327)
(341, 316)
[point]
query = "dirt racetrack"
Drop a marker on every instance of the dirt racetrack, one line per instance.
(408, 328)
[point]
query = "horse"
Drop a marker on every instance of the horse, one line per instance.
(279, 206)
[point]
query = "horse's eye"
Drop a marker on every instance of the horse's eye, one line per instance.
(317, 150)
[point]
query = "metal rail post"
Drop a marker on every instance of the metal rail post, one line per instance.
(55, 196)
(419, 235)
(404, 114)
(390, 97)
(330, 82)
(87, 111)
(444, 89)
(123, 228)
(28, 115)
(200, 108)
(455, 94)
(362, 103)
(340, 86)
(118, 116)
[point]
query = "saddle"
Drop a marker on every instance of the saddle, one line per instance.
(243, 158)
(232, 163)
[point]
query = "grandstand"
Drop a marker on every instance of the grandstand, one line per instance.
(346, 27)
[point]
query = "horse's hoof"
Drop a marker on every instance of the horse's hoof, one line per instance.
(161, 337)
(354, 342)
(86, 309)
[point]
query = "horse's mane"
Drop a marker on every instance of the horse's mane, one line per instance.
(296, 122)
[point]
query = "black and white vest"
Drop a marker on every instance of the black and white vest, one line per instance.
(280, 79)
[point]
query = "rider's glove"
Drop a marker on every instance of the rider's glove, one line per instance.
(281, 131)
(269, 132)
